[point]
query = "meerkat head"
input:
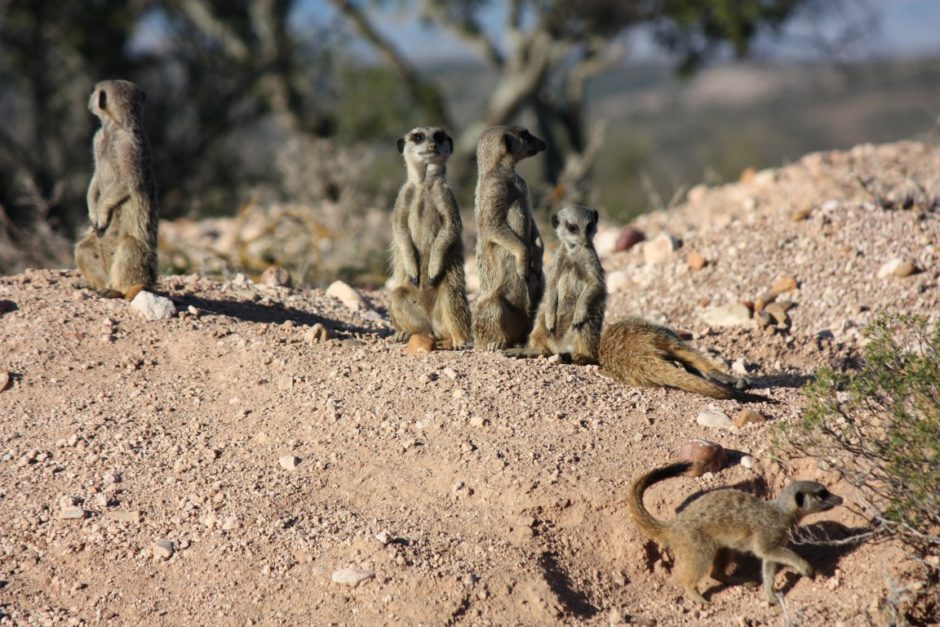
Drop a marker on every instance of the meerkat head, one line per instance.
(506, 145)
(119, 101)
(575, 226)
(424, 145)
(808, 497)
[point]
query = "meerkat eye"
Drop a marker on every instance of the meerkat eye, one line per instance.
(418, 138)
(439, 137)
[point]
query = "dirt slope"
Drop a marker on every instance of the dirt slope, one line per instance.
(478, 489)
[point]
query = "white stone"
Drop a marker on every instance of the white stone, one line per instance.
(738, 366)
(347, 295)
(153, 306)
(747, 461)
(616, 281)
(352, 576)
(288, 462)
(727, 315)
(163, 549)
(606, 240)
(660, 248)
(888, 268)
(714, 420)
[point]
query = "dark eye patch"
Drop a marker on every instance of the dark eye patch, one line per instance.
(417, 138)
(572, 228)
(439, 137)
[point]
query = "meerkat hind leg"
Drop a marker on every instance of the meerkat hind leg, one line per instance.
(720, 570)
(451, 318)
(129, 268)
(693, 562)
(408, 316)
(90, 263)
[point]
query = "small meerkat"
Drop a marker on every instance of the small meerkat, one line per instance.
(509, 247)
(571, 314)
(429, 295)
(118, 256)
(637, 352)
(701, 535)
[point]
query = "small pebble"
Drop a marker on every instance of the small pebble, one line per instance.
(352, 576)
(288, 462)
(162, 549)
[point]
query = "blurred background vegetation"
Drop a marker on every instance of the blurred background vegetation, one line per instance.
(273, 122)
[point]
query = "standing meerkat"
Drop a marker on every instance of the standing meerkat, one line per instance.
(701, 535)
(571, 314)
(637, 352)
(429, 295)
(118, 256)
(509, 247)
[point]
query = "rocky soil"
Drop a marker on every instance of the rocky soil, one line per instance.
(224, 466)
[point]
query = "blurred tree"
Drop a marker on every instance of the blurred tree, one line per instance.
(49, 53)
(553, 47)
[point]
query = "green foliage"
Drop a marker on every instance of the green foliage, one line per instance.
(879, 426)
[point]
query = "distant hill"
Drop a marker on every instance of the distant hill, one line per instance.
(665, 133)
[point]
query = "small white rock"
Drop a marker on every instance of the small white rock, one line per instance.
(347, 295)
(727, 315)
(153, 306)
(714, 420)
(288, 462)
(352, 576)
(617, 281)
(72, 513)
(163, 549)
(660, 248)
(739, 366)
(747, 461)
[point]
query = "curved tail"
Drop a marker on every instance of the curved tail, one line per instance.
(655, 529)
(685, 380)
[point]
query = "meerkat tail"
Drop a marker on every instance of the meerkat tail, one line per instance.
(655, 529)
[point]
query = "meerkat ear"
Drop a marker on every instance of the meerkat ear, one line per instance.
(450, 142)
(510, 142)
(596, 216)
(102, 99)
(555, 220)
(401, 145)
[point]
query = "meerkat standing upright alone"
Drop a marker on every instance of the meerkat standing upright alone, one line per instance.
(637, 352)
(571, 314)
(429, 296)
(509, 247)
(701, 534)
(118, 257)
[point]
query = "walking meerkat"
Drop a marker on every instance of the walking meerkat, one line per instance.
(571, 314)
(118, 256)
(637, 352)
(701, 535)
(509, 247)
(429, 295)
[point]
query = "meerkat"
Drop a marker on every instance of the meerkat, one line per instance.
(637, 352)
(429, 294)
(571, 314)
(509, 247)
(701, 535)
(118, 256)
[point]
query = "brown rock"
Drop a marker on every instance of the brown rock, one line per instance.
(419, 344)
(276, 276)
(705, 455)
(696, 260)
(763, 300)
(748, 416)
(778, 311)
(801, 214)
(905, 269)
(628, 238)
(784, 284)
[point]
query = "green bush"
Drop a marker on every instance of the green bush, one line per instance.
(879, 425)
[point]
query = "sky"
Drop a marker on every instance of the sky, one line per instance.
(904, 28)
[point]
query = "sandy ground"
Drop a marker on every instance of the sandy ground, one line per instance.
(477, 489)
